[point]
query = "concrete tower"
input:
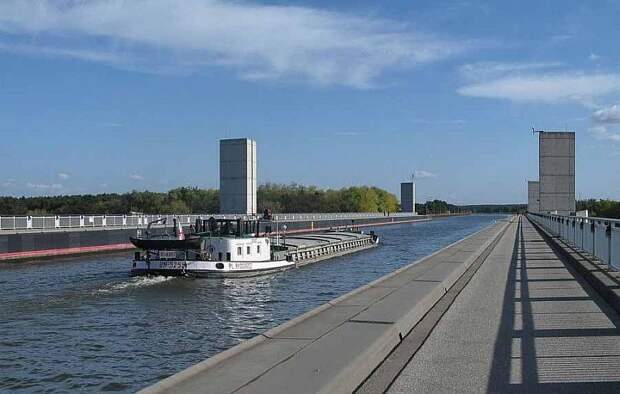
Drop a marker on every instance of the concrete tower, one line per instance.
(533, 203)
(238, 176)
(556, 172)
(407, 196)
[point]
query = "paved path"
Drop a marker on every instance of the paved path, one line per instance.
(524, 323)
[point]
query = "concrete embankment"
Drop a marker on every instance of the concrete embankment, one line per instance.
(334, 347)
(34, 244)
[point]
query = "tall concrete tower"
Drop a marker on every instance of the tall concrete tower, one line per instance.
(533, 197)
(238, 176)
(556, 172)
(407, 197)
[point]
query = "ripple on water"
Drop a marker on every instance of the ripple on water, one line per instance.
(133, 283)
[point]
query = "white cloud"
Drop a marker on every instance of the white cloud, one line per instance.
(8, 183)
(421, 174)
(62, 175)
(489, 70)
(78, 53)
(594, 57)
(44, 186)
(346, 134)
(603, 133)
(258, 41)
(136, 176)
(610, 114)
(549, 88)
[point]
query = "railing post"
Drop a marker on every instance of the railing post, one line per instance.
(593, 231)
(608, 234)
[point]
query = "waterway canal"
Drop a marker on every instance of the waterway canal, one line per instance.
(84, 325)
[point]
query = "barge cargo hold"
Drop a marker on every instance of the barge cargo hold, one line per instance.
(233, 248)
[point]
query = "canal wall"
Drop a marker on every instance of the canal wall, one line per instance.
(34, 244)
(336, 346)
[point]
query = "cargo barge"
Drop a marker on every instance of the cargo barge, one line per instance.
(235, 248)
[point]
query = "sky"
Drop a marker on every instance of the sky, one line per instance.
(118, 95)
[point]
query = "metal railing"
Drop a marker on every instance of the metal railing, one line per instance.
(16, 223)
(599, 237)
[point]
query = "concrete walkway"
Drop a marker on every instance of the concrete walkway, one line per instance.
(524, 323)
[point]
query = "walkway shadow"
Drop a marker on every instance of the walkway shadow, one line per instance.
(556, 334)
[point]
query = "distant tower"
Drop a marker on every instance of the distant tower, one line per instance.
(238, 176)
(533, 198)
(407, 196)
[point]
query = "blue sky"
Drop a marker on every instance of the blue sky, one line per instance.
(112, 95)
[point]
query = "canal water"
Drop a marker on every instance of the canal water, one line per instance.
(84, 325)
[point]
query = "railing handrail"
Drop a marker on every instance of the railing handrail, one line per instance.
(601, 239)
(42, 222)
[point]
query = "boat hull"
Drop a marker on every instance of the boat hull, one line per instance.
(228, 269)
(208, 269)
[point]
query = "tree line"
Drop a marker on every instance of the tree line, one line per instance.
(279, 198)
(496, 208)
(601, 208)
(436, 207)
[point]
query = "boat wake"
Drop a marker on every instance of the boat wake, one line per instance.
(134, 283)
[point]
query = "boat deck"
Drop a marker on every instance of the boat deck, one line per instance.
(303, 241)
(309, 248)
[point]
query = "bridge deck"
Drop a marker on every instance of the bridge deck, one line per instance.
(526, 322)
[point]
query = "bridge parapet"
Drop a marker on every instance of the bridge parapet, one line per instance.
(53, 222)
(600, 237)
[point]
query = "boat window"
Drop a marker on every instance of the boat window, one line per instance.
(258, 249)
(249, 251)
(220, 256)
(227, 256)
(239, 251)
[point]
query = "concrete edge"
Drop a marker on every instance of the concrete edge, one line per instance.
(573, 256)
(169, 382)
(350, 376)
(404, 325)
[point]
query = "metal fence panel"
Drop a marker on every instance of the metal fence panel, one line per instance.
(615, 246)
(597, 236)
(601, 243)
(579, 227)
(588, 237)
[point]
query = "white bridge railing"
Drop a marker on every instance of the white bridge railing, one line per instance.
(599, 237)
(14, 223)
